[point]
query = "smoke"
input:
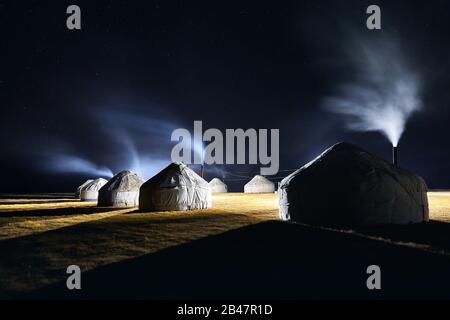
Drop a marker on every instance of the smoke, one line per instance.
(215, 171)
(71, 164)
(126, 156)
(141, 143)
(384, 95)
(123, 140)
(198, 149)
(144, 164)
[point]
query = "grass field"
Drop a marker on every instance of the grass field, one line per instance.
(40, 236)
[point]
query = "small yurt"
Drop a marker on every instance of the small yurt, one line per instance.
(348, 186)
(77, 193)
(259, 184)
(121, 191)
(90, 191)
(175, 188)
(218, 186)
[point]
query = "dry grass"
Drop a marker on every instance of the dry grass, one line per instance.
(439, 203)
(14, 227)
(36, 250)
(9, 205)
(38, 241)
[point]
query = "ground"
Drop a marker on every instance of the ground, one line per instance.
(237, 249)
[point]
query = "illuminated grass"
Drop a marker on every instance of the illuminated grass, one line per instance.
(15, 227)
(96, 239)
(5, 205)
(439, 203)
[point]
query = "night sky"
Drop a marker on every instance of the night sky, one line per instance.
(111, 93)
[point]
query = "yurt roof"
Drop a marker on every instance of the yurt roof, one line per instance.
(84, 184)
(258, 180)
(347, 155)
(176, 174)
(96, 184)
(216, 181)
(124, 181)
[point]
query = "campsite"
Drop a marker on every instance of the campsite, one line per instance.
(237, 248)
(217, 150)
(177, 236)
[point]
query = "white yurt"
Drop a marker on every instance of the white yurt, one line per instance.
(348, 186)
(121, 191)
(77, 193)
(218, 186)
(175, 188)
(90, 191)
(259, 184)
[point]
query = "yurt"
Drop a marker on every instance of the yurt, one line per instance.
(348, 186)
(175, 188)
(259, 184)
(121, 191)
(218, 186)
(90, 191)
(77, 193)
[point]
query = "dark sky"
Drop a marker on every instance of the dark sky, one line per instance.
(112, 92)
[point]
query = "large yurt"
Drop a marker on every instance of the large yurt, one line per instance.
(348, 186)
(77, 193)
(121, 191)
(175, 188)
(90, 191)
(259, 184)
(218, 186)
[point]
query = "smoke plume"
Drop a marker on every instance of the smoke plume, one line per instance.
(384, 94)
(72, 164)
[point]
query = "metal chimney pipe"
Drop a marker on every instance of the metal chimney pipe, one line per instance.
(202, 171)
(394, 156)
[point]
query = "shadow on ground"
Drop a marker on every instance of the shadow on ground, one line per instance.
(57, 212)
(273, 260)
(9, 202)
(38, 196)
(434, 233)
